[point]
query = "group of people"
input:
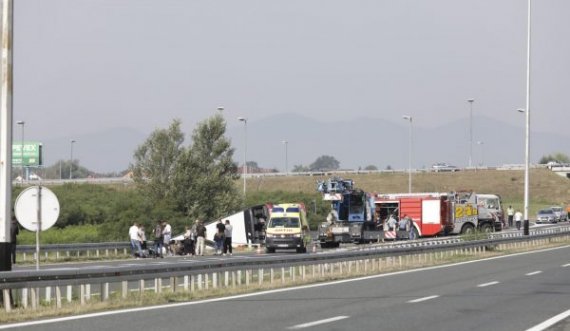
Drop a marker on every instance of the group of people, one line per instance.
(193, 243)
(517, 216)
(405, 226)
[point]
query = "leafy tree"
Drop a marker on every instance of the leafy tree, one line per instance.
(252, 165)
(559, 157)
(371, 167)
(156, 159)
(325, 162)
(205, 175)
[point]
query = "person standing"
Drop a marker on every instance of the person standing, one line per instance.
(510, 215)
(142, 238)
(412, 231)
(135, 240)
(219, 237)
(228, 238)
(188, 242)
(14, 231)
(200, 238)
(158, 240)
(167, 234)
(518, 219)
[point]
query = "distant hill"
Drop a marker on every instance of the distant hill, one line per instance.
(355, 143)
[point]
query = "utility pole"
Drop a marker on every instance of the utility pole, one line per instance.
(6, 137)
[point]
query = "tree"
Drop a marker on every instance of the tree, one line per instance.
(156, 159)
(204, 180)
(371, 167)
(324, 162)
(558, 157)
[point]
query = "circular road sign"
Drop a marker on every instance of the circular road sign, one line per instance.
(26, 208)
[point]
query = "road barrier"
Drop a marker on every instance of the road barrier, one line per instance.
(56, 288)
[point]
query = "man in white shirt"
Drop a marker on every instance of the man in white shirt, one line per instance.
(518, 219)
(167, 234)
(135, 240)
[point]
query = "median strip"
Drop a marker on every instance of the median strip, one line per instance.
(328, 320)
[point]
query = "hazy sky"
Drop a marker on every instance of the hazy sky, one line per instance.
(82, 66)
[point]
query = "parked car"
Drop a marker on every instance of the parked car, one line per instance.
(546, 216)
(442, 166)
(560, 213)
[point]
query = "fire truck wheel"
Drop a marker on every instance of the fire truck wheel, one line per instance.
(467, 229)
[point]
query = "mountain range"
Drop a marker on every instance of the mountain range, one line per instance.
(354, 143)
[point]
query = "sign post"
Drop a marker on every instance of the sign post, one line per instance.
(37, 209)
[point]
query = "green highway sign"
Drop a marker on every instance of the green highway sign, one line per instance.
(31, 153)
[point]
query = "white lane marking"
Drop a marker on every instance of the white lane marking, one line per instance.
(550, 322)
(533, 273)
(248, 295)
(307, 325)
(488, 284)
(565, 265)
(424, 299)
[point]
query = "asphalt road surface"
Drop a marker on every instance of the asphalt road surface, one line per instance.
(507, 293)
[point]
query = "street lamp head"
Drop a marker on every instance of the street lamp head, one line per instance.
(480, 143)
(471, 100)
(72, 141)
(285, 142)
(407, 117)
(520, 110)
(220, 108)
(242, 119)
(20, 122)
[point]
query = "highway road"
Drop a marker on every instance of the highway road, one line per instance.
(514, 292)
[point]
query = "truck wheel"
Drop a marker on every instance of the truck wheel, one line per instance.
(486, 228)
(269, 250)
(325, 245)
(467, 229)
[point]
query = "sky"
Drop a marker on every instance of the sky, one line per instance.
(88, 66)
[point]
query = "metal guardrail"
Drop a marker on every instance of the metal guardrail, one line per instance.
(42, 278)
(74, 285)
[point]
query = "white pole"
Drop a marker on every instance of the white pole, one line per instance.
(6, 135)
(470, 131)
(527, 129)
(244, 120)
(409, 118)
(286, 161)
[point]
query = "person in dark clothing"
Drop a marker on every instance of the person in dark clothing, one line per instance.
(14, 231)
(219, 237)
(228, 238)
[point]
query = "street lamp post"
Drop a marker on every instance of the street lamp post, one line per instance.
(409, 118)
(470, 131)
(71, 159)
(285, 142)
(22, 123)
(481, 143)
(244, 120)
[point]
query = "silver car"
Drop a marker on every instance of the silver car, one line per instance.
(560, 213)
(546, 216)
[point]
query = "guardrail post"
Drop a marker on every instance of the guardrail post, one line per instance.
(104, 291)
(233, 279)
(192, 283)
(88, 291)
(81, 294)
(25, 298)
(57, 297)
(141, 287)
(303, 272)
(292, 273)
(199, 281)
(173, 284)
(124, 289)
(214, 280)
(282, 275)
(57, 255)
(247, 277)
(206, 281)
(260, 276)
(6, 294)
(239, 277)
(185, 280)
(48, 294)
(226, 279)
